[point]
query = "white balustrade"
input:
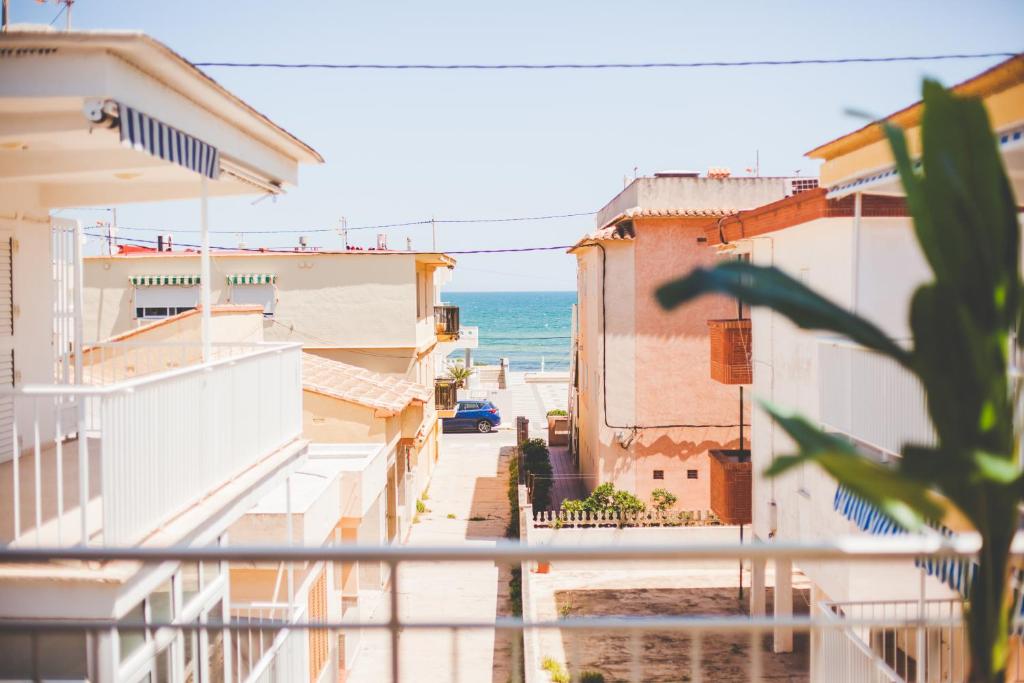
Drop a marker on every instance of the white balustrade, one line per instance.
(871, 398)
(109, 464)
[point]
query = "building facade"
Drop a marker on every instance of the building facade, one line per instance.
(644, 412)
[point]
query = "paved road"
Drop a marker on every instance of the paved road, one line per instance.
(468, 484)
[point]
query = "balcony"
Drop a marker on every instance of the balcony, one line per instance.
(109, 463)
(446, 322)
(871, 398)
(445, 397)
(730, 351)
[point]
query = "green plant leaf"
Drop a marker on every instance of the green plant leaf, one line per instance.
(767, 286)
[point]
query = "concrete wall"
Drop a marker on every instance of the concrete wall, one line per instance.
(820, 254)
(693, 194)
(356, 300)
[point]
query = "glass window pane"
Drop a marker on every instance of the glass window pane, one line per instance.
(191, 647)
(163, 662)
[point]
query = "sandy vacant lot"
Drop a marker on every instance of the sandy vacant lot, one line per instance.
(663, 656)
(666, 656)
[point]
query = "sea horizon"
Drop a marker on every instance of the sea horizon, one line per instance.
(531, 328)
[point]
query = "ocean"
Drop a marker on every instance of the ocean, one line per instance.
(524, 327)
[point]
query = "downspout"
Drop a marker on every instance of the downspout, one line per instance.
(604, 358)
(855, 252)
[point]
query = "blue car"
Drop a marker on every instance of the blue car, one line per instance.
(480, 416)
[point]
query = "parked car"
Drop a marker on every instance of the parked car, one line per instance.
(480, 416)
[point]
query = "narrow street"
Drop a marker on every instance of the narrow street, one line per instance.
(467, 505)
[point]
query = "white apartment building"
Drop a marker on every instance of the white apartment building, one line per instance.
(853, 242)
(169, 458)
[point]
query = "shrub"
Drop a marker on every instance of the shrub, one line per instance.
(591, 677)
(537, 462)
(605, 499)
(515, 591)
(662, 499)
(420, 506)
(512, 530)
(557, 412)
(451, 515)
(556, 670)
(459, 374)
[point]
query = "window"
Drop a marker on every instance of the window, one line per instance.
(264, 295)
(659, 474)
(154, 303)
(691, 474)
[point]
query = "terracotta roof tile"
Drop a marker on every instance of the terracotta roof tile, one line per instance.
(359, 385)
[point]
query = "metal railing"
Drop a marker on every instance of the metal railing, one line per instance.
(108, 464)
(445, 394)
(838, 652)
(871, 398)
(446, 320)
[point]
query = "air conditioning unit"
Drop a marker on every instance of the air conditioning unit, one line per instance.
(798, 185)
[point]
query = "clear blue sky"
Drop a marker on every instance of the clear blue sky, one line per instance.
(407, 145)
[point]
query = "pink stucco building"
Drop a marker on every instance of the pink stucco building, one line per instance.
(645, 412)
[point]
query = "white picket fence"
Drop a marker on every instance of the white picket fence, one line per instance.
(558, 519)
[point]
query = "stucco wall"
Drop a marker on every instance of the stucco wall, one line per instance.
(328, 420)
(357, 300)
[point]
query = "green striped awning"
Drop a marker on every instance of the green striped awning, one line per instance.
(252, 279)
(163, 280)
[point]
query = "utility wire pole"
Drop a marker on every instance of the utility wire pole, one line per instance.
(433, 232)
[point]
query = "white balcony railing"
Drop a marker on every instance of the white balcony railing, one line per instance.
(886, 642)
(878, 649)
(871, 398)
(109, 464)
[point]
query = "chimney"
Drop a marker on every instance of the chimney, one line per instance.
(303, 242)
(159, 242)
(382, 241)
(167, 242)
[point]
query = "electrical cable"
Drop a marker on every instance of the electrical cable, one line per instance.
(288, 231)
(603, 65)
(288, 250)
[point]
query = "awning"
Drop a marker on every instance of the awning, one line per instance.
(955, 573)
(147, 134)
(252, 279)
(164, 280)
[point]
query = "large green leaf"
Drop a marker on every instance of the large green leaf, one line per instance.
(767, 286)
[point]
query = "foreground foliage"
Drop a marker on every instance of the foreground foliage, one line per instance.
(965, 220)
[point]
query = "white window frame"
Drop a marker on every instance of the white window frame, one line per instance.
(157, 302)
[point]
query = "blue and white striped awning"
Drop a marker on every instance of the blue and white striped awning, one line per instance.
(144, 133)
(955, 573)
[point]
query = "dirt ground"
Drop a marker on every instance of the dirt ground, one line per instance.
(666, 656)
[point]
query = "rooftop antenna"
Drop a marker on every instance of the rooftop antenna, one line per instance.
(343, 231)
(433, 232)
(408, 244)
(757, 163)
(4, 20)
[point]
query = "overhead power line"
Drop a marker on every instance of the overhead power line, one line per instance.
(290, 250)
(605, 65)
(382, 226)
